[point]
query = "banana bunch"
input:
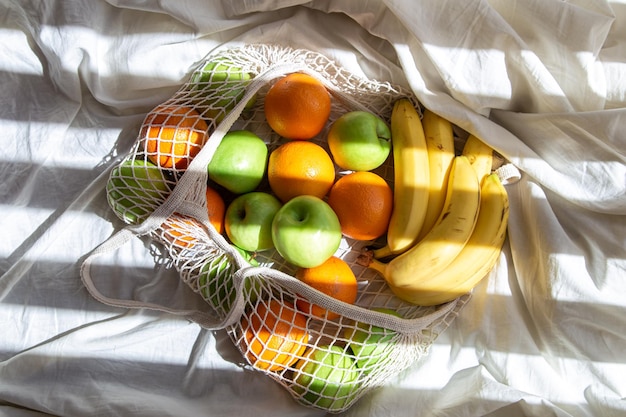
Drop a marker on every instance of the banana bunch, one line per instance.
(478, 256)
(451, 213)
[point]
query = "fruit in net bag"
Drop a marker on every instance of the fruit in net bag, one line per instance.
(173, 135)
(306, 231)
(334, 278)
(297, 106)
(181, 231)
(217, 285)
(300, 168)
(275, 335)
(216, 209)
(369, 343)
(218, 86)
(359, 141)
(248, 221)
(135, 189)
(363, 202)
(326, 377)
(239, 162)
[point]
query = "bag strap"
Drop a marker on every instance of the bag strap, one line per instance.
(115, 242)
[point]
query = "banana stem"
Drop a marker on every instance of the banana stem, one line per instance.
(382, 252)
(367, 259)
(378, 266)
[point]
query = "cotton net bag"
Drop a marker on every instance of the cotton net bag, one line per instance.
(159, 190)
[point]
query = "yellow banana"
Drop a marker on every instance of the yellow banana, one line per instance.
(443, 243)
(479, 254)
(440, 146)
(411, 178)
(480, 156)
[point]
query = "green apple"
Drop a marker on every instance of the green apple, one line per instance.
(248, 220)
(135, 189)
(306, 231)
(370, 344)
(359, 141)
(326, 377)
(218, 87)
(239, 162)
(216, 281)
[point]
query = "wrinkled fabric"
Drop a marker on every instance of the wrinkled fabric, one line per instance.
(541, 81)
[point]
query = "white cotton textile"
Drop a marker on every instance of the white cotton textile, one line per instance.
(542, 81)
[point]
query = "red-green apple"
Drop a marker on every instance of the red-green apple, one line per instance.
(239, 162)
(135, 189)
(370, 344)
(359, 141)
(248, 220)
(216, 281)
(306, 231)
(326, 376)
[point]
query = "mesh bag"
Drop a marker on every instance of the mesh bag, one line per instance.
(159, 189)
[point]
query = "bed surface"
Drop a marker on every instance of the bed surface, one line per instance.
(541, 81)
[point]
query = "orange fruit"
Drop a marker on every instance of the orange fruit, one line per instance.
(334, 278)
(216, 208)
(275, 335)
(297, 106)
(300, 168)
(173, 135)
(362, 201)
(181, 230)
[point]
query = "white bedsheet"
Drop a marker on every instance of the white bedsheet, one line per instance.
(542, 81)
